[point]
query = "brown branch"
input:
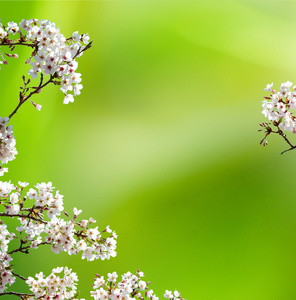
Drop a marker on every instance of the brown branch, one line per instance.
(283, 135)
(21, 295)
(25, 249)
(19, 43)
(288, 149)
(22, 216)
(36, 91)
(82, 50)
(19, 276)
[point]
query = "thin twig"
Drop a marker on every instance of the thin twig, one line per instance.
(22, 216)
(37, 90)
(25, 249)
(282, 134)
(19, 276)
(18, 43)
(22, 295)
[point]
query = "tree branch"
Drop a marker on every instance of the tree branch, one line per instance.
(36, 91)
(25, 249)
(22, 216)
(19, 276)
(21, 295)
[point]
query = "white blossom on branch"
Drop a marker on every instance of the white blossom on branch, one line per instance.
(7, 144)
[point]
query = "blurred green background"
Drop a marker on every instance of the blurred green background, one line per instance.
(162, 143)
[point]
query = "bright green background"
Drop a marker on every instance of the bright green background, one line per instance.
(162, 144)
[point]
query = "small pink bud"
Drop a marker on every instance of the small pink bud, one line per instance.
(37, 106)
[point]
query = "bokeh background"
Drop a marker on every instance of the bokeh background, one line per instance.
(163, 146)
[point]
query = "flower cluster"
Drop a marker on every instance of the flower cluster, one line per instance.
(128, 288)
(55, 286)
(7, 144)
(71, 236)
(53, 54)
(39, 209)
(5, 271)
(278, 108)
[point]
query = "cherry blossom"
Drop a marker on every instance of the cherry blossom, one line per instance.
(7, 144)
(39, 210)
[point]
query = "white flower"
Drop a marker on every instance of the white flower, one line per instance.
(68, 98)
(108, 229)
(112, 277)
(12, 28)
(75, 36)
(85, 38)
(99, 282)
(77, 88)
(32, 194)
(286, 85)
(3, 33)
(168, 294)
(12, 209)
(76, 211)
(268, 87)
(23, 184)
(142, 285)
(14, 198)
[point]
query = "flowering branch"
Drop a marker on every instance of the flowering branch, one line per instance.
(280, 111)
(53, 55)
(269, 130)
(41, 222)
(25, 249)
(23, 98)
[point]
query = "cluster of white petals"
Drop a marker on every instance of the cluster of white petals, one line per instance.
(129, 288)
(6, 188)
(7, 144)
(39, 209)
(57, 285)
(5, 271)
(280, 108)
(71, 235)
(44, 197)
(53, 54)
